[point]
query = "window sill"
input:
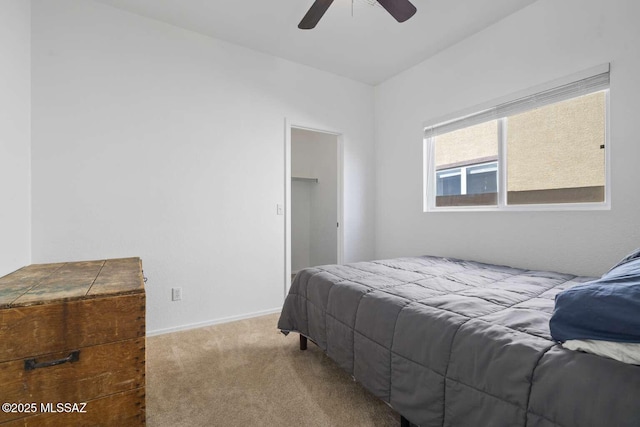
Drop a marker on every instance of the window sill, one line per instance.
(602, 206)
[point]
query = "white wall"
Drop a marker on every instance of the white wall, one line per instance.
(547, 40)
(15, 116)
(153, 141)
(314, 205)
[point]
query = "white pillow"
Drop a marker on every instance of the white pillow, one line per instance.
(622, 351)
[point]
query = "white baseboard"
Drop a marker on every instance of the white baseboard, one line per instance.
(213, 322)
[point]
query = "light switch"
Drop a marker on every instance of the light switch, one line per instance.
(280, 209)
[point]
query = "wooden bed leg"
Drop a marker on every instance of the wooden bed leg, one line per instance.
(404, 422)
(303, 342)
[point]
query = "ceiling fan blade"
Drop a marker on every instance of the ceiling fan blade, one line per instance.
(401, 10)
(318, 8)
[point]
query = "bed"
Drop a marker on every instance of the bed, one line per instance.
(448, 342)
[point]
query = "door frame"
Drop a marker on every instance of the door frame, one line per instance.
(287, 195)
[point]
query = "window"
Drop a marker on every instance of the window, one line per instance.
(546, 150)
(478, 181)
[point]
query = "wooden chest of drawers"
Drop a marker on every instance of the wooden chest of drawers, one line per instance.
(72, 344)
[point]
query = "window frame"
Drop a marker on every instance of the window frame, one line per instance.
(429, 169)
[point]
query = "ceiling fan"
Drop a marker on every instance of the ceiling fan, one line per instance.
(401, 10)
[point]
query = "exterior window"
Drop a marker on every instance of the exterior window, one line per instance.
(473, 184)
(551, 154)
(482, 179)
(450, 183)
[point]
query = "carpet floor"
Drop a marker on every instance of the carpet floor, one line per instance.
(246, 373)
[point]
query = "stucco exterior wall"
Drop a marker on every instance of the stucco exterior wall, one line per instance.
(557, 146)
(467, 144)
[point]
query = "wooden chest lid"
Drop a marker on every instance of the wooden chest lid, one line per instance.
(44, 283)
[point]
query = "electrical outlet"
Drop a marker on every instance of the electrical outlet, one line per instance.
(176, 294)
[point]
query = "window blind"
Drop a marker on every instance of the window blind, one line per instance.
(581, 87)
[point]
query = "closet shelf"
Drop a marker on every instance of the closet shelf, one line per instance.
(304, 179)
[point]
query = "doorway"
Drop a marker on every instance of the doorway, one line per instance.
(314, 196)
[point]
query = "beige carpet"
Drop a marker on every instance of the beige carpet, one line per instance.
(247, 373)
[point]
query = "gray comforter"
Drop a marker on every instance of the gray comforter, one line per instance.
(456, 343)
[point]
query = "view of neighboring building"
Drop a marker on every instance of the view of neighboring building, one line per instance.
(554, 154)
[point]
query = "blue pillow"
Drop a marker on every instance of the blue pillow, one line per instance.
(633, 255)
(605, 309)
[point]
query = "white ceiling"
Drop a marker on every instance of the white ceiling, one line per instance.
(368, 46)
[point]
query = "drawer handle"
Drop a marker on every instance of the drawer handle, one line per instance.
(31, 364)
